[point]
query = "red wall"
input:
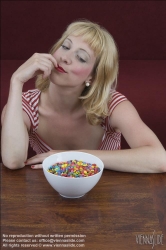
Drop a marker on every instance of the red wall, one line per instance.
(139, 27)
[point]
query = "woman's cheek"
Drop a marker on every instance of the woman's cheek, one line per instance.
(81, 71)
(54, 54)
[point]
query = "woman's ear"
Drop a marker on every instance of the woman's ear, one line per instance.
(87, 83)
(89, 79)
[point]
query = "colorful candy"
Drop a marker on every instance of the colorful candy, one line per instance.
(74, 169)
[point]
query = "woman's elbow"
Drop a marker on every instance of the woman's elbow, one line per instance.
(162, 163)
(13, 165)
(163, 168)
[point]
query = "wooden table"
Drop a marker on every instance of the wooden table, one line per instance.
(119, 213)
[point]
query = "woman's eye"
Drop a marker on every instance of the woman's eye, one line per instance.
(65, 47)
(81, 59)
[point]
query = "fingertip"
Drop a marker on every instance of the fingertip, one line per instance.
(39, 166)
(55, 64)
(44, 76)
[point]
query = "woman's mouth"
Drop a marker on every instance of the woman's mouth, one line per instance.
(60, 69)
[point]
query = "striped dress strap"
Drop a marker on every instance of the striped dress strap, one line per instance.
(112, 139)
(30, 101)
(115, 100)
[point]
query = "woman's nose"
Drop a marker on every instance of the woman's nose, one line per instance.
(66, 58)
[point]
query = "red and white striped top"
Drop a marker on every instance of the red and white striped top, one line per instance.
(30, 100)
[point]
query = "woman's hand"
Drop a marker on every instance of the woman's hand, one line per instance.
(36, 161)
(36, 64)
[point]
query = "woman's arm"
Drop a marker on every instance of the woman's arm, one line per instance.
(15, 122)
(15, 126)
(146, 155)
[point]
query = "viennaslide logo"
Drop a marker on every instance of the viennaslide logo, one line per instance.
(150, 239)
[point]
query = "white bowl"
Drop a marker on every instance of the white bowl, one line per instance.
(72, 187)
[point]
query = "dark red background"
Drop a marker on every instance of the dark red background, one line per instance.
(139, 27)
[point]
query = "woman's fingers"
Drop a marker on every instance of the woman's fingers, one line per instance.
(51, 58)
(44, 63)
(36, 64)
(40, 157)
(47, 65)
(38, 166)
(36, 160)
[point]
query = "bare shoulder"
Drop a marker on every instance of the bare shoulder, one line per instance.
(124, 111)
(125, 119)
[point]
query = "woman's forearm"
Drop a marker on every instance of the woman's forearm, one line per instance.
(146, 159)
(14, 132)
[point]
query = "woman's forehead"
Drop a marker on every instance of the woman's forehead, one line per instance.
(86, 41)
(80, 42)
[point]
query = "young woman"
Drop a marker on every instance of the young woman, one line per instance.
(75, 107)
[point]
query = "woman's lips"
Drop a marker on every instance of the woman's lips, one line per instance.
(60, 69)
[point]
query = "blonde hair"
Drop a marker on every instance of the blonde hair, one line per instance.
(95, 98)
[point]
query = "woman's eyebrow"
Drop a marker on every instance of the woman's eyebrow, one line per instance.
(69, 39)
(79, 48)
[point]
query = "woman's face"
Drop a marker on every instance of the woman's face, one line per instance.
(75, 62)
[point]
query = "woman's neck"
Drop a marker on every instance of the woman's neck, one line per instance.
(62, 99)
